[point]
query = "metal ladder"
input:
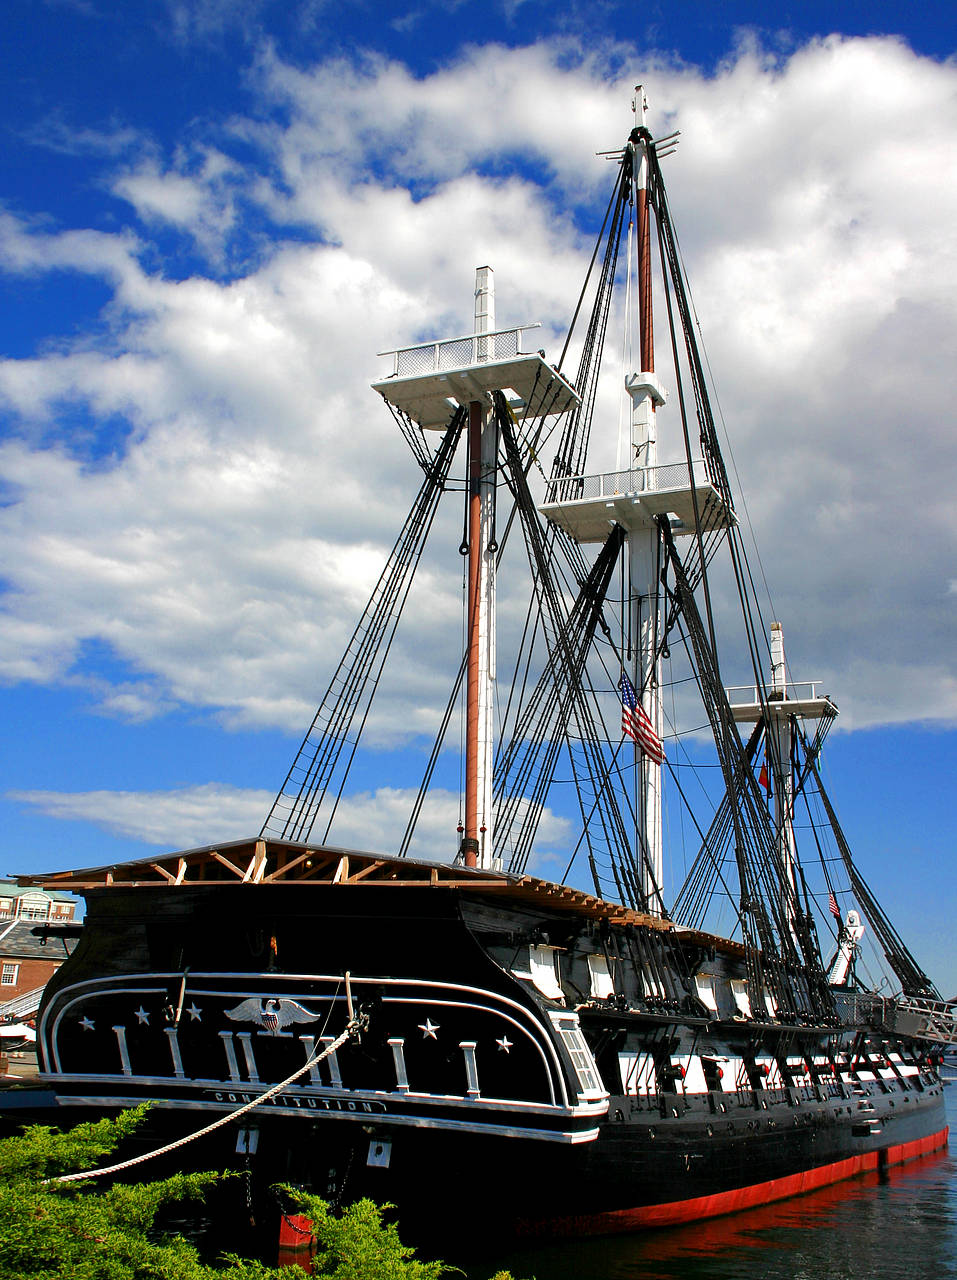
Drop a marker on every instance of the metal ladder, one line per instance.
(925, 1018)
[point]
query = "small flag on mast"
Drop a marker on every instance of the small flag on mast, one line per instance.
(832, 906)
(635, 723)
(763, 776)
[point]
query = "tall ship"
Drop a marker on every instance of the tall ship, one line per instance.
(616, 1047)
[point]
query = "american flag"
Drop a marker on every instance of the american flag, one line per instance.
(635, 723)
(832, 906)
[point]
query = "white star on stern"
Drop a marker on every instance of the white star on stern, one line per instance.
(428, 1029)
(86, 1024)
(194, 1013)
(504, 1044)
(142, 1016)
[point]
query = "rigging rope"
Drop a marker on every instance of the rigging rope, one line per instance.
(351, 1029)
(913, 980)
(541, 719)
(296, 807)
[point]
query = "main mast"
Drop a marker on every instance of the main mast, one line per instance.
(644, 543)
(780, 732)
(637, 500)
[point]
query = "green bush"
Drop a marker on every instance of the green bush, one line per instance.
(58, 1229)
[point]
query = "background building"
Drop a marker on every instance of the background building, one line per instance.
(27, 962)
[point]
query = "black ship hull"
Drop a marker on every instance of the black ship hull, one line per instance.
(483, 1058)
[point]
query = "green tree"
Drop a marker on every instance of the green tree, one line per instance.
(56, 1229)
(358, 1244)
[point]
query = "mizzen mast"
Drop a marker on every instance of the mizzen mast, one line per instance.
(483, 435)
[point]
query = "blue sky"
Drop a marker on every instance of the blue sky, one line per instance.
(214, 213)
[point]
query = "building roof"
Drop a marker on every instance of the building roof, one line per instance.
(10, 889)
(18, 942)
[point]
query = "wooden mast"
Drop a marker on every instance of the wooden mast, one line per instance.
(476, 847)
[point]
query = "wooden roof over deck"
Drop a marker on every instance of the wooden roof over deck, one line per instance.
(265, 862)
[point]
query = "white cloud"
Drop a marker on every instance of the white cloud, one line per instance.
(189, 817)
(55, 134)
(197, 20)
(376, 821)
(193, 817)
(24, 249)
(223, 543)
(196, 194)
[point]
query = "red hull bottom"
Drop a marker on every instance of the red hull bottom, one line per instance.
(722, 1202)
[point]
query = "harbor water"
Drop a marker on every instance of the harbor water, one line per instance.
(899, 1225)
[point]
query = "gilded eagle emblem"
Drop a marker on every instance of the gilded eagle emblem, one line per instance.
(272, 1015)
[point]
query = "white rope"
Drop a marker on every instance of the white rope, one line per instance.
(217, 1124)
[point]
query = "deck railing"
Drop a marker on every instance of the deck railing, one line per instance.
(458, 353)
(610, 484)
(747, 694)
(934, 1020)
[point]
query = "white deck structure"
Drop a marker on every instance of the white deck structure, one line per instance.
(432, 379)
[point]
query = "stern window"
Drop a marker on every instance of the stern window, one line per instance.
(589, 1084)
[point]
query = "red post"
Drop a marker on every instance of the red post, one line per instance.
(297, 1245)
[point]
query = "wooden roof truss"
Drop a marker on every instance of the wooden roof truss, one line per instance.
(265, 862)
